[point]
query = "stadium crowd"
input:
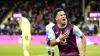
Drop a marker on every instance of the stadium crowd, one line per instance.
(39, 12)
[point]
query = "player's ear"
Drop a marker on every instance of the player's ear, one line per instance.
(56, 18)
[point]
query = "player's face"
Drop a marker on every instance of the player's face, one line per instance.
(61, 17)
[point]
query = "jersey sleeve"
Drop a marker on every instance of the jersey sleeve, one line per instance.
(77, 31)
(51, 34)
(47, 33)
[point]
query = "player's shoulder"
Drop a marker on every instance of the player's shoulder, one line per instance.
(47, 26)
(70, 25)
(54, 27)
(25, 20)
(50, 25)
(74, 26)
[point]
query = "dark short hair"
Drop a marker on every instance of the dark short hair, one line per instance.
(56, 11)
(24, 14)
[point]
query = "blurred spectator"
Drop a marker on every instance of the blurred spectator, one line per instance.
(38, 12)
(86, 30)
(95, 29)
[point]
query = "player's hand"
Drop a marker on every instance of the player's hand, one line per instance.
(63, 36)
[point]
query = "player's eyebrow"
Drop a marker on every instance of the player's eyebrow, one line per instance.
(60, 14)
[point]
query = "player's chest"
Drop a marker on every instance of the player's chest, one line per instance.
(65, 30)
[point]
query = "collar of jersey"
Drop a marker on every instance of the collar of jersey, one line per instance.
(63, 26)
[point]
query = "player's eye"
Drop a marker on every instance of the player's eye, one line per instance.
(61, 15)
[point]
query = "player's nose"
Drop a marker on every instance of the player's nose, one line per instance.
(63, 16)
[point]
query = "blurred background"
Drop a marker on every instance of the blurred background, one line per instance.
(83, 13)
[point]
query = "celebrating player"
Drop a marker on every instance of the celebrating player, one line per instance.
(64, 35)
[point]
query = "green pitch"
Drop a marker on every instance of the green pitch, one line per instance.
(39, 50)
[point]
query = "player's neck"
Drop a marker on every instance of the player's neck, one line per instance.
(62, 25)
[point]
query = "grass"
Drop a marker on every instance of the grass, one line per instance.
(40, 50)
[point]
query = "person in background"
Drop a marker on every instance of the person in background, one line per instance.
(50, 25)
(24, 25)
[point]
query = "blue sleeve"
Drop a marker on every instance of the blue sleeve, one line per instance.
(51, 34)
(77, 31)
(47, 33)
